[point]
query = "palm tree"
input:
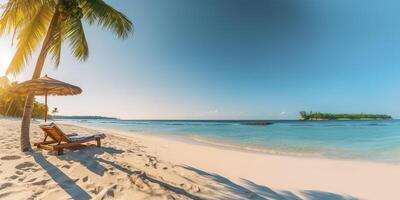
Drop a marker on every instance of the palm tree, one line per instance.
(9, 101)
(4, 84)
(12, 104)
(54, 111)
(303, 115)
(53, 22)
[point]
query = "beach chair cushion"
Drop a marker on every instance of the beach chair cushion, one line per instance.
(71, 134)
(87, 136)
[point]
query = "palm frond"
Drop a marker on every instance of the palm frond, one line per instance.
(16, 12)
(56, 41)
(28, 22)
(75, 34)
(107, 17)
(28, 38)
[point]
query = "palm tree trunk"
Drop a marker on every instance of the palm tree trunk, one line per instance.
(26, 118)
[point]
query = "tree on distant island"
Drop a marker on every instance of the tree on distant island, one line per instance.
(52, 22)
(331, 116)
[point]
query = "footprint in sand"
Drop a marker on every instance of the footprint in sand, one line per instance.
(111, 168)
(13, 177)
(42, 182)
(31, 180)
(110, 192)
(66, 166)
(5, 185)
(85, 179)
(169, 197)
(96, 190)
(19, 172)
(36, 194)
(25, 165)
(12, 157)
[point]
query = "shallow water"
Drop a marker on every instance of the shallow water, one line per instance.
(377, 140)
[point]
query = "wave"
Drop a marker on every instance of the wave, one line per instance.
(376, 124)
(109, 122)
(252, 147)
(334, 125)
(307, 125)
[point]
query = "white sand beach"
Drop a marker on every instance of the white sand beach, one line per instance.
(148, 167)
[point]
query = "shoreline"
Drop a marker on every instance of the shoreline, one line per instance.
(224, 146)
(203, 141)
(231, 145)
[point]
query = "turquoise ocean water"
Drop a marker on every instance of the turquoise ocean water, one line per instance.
(375, 140)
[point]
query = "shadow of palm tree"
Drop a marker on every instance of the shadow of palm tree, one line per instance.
(267, 192)
(229, 186)
(316, 195)
(251, 190)
(66, 183)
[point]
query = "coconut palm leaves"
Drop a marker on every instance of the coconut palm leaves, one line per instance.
(77, 39)
(97, 11)
(28, 33)
(16, 12)
(29, 21)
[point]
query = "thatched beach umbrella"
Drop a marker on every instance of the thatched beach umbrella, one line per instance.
(45, 86)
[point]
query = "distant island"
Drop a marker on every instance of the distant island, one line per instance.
(81, 117)
(331, 116)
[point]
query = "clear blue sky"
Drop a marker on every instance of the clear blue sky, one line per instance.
(237, 59)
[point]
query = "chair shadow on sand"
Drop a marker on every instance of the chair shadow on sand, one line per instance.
(247, 189)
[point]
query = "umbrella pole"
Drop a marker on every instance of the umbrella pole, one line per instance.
(45, 102)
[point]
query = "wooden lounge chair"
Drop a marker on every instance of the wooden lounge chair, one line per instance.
(60, 140)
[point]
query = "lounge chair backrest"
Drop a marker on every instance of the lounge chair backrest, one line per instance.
(54, 132)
